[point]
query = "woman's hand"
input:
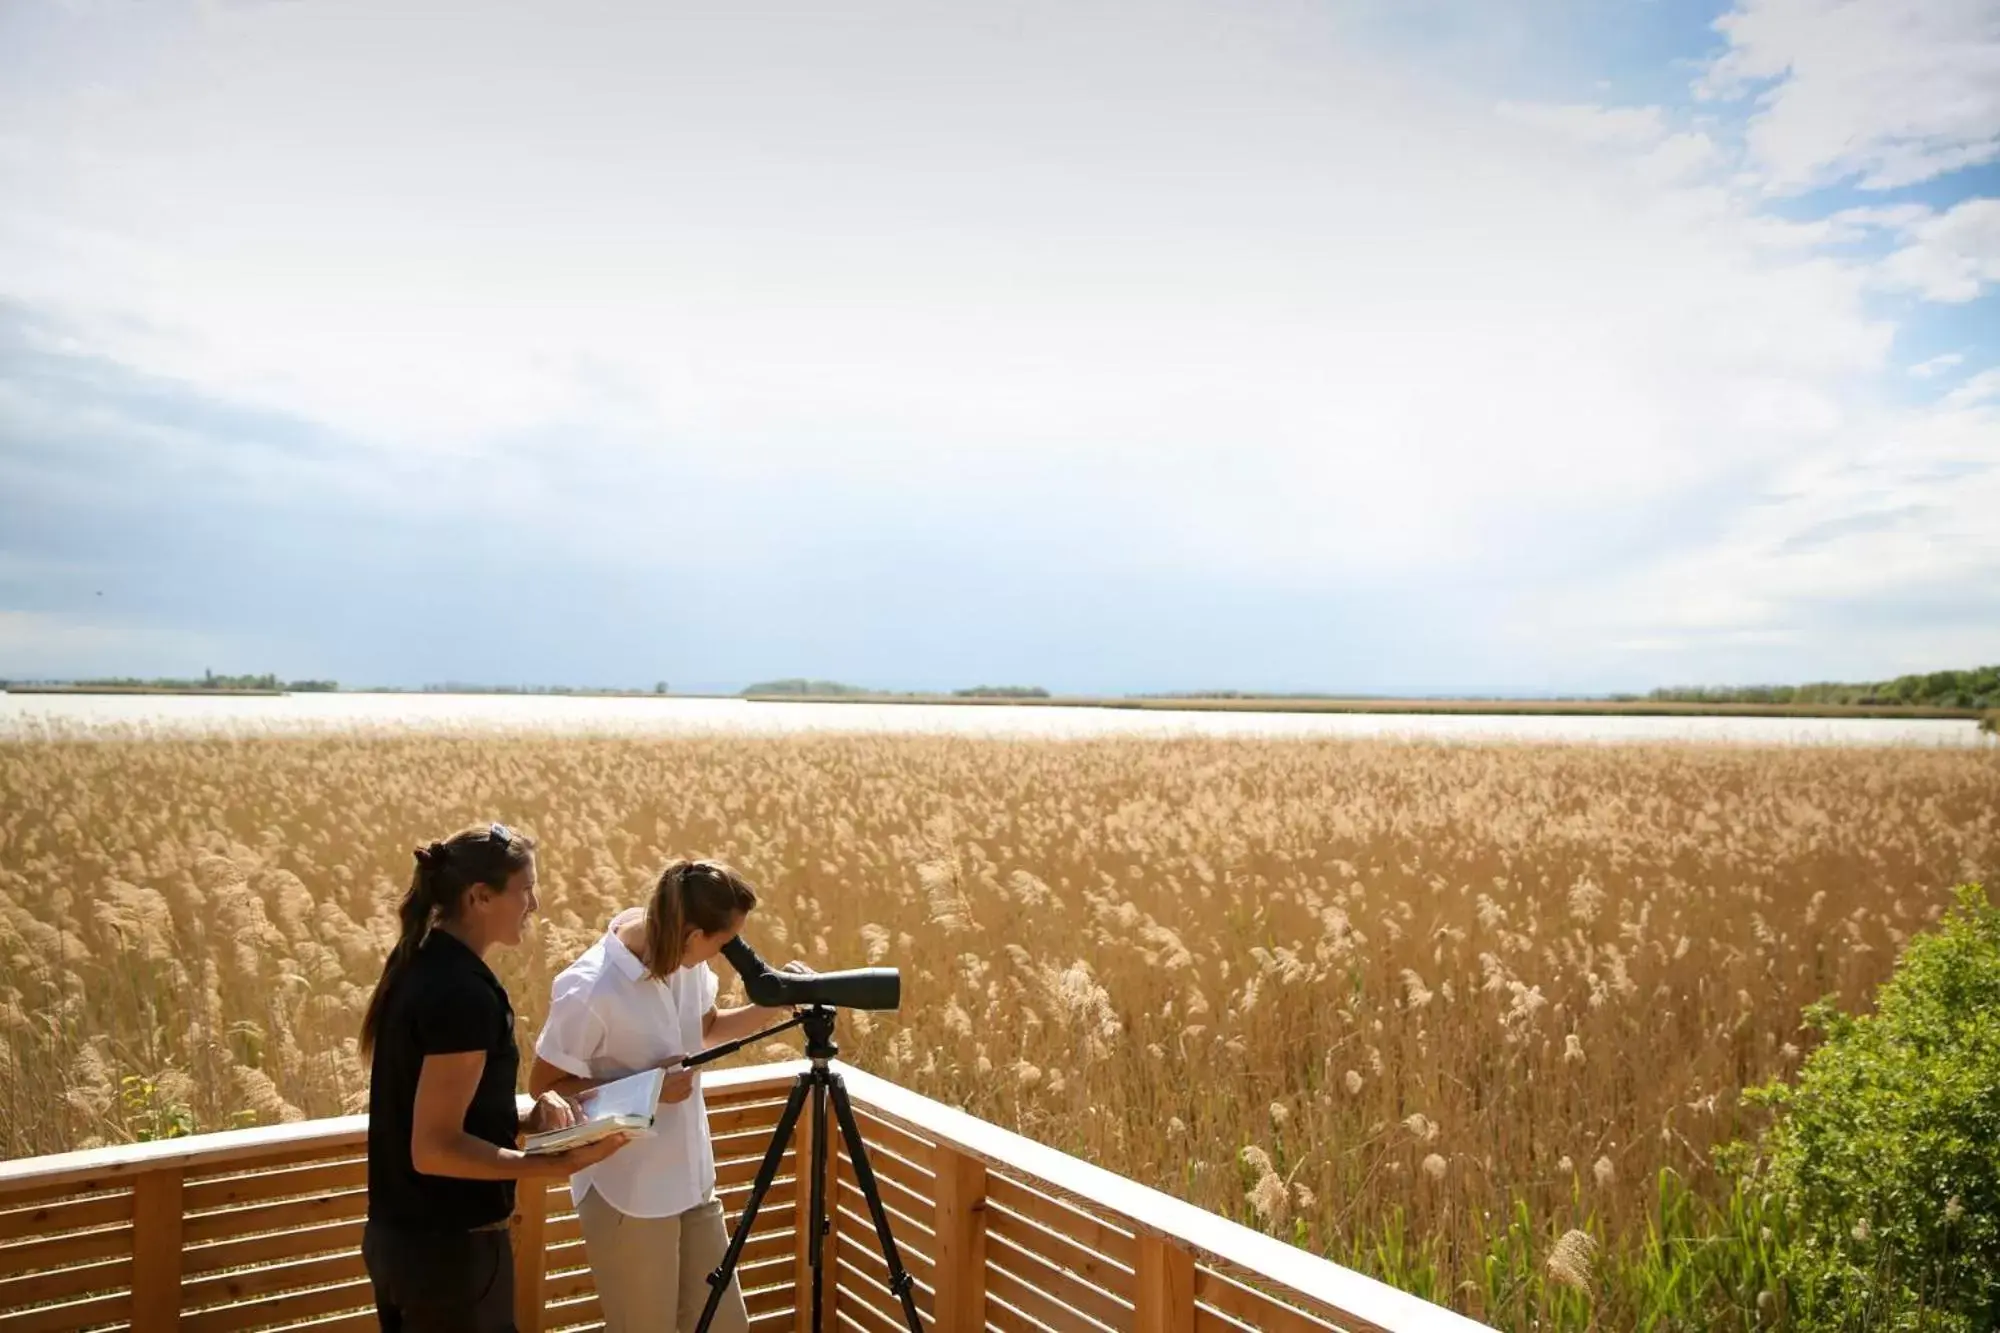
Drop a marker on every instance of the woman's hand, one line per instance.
(552, 1111)
(679, 1083)
(798, 968)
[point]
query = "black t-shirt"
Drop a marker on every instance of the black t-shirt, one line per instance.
(447, 1001)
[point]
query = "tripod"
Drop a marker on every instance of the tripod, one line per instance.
(825, 1086)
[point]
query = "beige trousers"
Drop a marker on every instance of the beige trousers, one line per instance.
(652, 1272)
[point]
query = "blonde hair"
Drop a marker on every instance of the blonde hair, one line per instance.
(691, 895)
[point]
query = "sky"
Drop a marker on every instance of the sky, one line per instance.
(1498, 346)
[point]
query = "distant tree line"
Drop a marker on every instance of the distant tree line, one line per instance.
(210, 681)
(799, 685)
(1976, 688)
(834, 688)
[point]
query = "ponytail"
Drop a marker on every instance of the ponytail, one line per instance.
(691, 895)
(487, 854)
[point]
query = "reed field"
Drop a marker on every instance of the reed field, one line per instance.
(1435, 1011)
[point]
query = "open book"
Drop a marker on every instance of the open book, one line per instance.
(623, 1105)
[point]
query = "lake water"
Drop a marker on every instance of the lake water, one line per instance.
(42, 714)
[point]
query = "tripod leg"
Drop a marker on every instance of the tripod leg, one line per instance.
(900, 1284)
(819, 1219)
(718, 1281)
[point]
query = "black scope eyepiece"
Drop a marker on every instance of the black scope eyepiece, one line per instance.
(858, 988)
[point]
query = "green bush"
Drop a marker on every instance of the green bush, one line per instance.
(1888, 1151)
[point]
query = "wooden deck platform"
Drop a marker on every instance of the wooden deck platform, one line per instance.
(260, 1230)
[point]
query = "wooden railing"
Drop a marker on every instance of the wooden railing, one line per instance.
(260, 1229)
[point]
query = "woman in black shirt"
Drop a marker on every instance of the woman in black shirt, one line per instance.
(442, 1118)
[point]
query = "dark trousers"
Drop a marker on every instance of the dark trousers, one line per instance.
(452, 1282)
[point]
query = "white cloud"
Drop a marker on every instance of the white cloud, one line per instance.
(1936, 365)
(1890, 91)
(1976, 390)
(1201, 307)
(1898, 515)
(1952, 256)
(1591, 123)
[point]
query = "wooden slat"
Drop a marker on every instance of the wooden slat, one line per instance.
(891, 1137)
(277, 1245)
(45, 1219)
(256, 1218)
(559, 1287)
(1163, 1287)
(781, 1192)
(1037, 1304)
(1059, 1283)
(909, 1217)
(1004, 1318)
(558, 1230)
(62, 1284)
(772, 1220)
(284, 1183)
(1214, 1321)
(729, 1175)
(765, 1273)
(920, 1184)
(65, 1318)
(361, 1321)
(286, 1308)
(58, 1251)
(574, 1311)
(751, 1143)
(766, 1245)
(959, 1242)
(157, 1242)
(271, 1280)
(1086, 1229)
(868, 1255)
(568, 1257)
(1252, 1307)
(862, 1317)
(859, 1233)
(772, 1321)
(864, 1288)
(767, 1300)
(758, 1117)
(1097, 1269)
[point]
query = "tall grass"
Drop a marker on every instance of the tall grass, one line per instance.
(1472, 1018)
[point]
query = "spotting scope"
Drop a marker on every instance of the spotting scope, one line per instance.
(857, 988)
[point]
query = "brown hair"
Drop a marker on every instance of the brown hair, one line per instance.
(691, 895)
(486, 854)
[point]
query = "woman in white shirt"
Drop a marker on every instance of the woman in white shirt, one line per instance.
(643, 997)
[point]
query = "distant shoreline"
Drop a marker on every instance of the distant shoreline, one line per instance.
(1460, 707)
(147, 689)
(1494, 707)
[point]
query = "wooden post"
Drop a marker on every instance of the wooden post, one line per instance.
(156, 1251)
(960, 1219)
(531, 1253)
(1165, 1288)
